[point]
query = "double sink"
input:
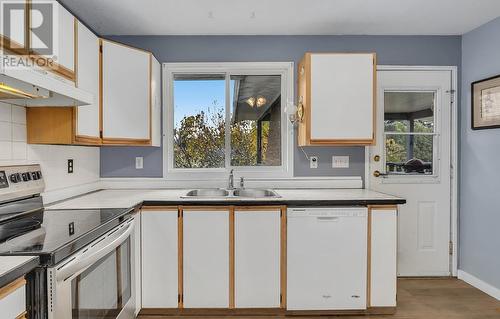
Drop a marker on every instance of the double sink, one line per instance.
(239, 192)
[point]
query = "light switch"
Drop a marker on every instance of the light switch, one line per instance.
(139, 162)
(340, 161)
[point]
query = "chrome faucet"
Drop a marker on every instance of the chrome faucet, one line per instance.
(231, 180)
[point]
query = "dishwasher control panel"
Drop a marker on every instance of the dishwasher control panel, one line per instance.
(328, 211)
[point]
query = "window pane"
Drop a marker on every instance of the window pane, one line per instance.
(409, 154)
(409, 112)
(199, 121)
(255, 120)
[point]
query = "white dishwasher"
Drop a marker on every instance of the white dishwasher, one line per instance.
(327, 258)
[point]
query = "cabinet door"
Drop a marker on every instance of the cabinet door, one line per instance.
(126, 90)
(338, 93)
(87, 117)
(63, 42)
(383, 279)
(206, 259)
(159, 259)
(156, 103)
(257, 258)
(15, 40)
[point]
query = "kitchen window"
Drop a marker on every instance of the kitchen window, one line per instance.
(223, 116)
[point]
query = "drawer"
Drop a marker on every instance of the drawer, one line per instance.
(13, 300)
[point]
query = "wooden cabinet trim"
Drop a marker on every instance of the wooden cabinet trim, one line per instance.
(180, 258)
(283, 268)
(13, 286)
(231, 259)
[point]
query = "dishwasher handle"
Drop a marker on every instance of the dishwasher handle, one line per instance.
(332, 219)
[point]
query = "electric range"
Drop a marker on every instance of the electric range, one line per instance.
(83, 252)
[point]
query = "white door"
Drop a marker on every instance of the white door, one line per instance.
(413, 158)
(206, 259)
(257, 258)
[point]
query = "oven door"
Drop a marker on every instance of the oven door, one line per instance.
(97, 282)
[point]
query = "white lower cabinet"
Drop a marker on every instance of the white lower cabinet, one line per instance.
(159, 258)
(257, 258)
(13, 300)
(383, 257)
(206, 258)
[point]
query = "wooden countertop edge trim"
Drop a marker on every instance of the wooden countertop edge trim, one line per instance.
(13, 286)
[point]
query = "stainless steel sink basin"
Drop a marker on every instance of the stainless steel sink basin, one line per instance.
(240, 192)
(255, 193)
(207, 192)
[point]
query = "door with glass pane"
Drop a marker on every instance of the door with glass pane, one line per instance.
(412, 159)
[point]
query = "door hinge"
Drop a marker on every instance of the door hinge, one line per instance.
(100, 48)
(100, 134)
(451, 248)
(452, 95)
(281, 298)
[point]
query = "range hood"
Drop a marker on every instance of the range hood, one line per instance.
(32, 87)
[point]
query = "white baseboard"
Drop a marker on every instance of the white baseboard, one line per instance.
(479, 284)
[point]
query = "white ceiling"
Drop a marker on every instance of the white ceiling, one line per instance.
(284, 17)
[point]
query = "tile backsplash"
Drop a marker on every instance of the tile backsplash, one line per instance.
(14, 150)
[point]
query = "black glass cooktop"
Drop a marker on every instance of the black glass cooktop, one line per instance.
(55, 234)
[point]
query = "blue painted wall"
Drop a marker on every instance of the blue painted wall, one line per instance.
(480, 158)
(391, 50)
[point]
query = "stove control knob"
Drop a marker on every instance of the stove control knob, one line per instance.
(33, 176)
(13, 178)
(38, 174)
(26, 177)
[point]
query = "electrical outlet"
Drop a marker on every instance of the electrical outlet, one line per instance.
(340, 161)
(313, 162)
(71, 167)
(139, 162)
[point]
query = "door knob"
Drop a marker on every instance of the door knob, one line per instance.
(378, 174)
(376, 158)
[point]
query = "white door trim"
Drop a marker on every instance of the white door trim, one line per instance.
(454, 151)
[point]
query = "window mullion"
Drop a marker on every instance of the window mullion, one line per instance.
(227, 135)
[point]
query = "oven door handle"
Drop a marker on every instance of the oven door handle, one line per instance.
(95, 251)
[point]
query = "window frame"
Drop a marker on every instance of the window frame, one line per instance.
(284, 69)
(389, 176)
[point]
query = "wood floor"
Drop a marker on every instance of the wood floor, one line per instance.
(428, 299)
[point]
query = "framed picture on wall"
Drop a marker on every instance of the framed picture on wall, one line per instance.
(486, 103)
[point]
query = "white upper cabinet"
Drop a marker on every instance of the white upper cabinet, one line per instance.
(126, 95)
(206, 259)
(15, 39)
(63, 40)
(156, 103)
(257, 258)
(87, 117)
(336, 97)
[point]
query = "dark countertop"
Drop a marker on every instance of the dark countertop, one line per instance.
(14, 267)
